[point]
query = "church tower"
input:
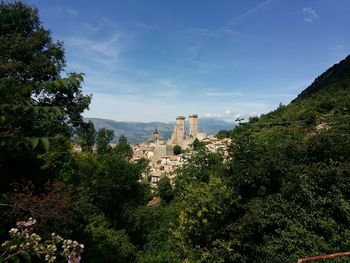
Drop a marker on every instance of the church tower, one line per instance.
(155, 136)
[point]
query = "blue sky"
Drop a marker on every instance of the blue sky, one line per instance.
(156, 59)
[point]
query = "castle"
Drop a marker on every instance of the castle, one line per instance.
(159, 152)
(179, 136)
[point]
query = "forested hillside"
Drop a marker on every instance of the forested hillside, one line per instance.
(290, 171)
(282, 192)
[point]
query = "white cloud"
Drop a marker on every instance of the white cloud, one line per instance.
(310, 14)
(100, 45)
(105, 51)
(212, 115)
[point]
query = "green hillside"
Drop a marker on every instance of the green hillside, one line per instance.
(338, 74)
(324, 104)
(289, 175)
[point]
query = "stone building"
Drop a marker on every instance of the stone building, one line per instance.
(155, 136)
(193, 122)
(179, 131)
(179, 136)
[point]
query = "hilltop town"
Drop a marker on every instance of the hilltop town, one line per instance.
(160, 152)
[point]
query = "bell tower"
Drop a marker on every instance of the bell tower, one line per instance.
(155, 135)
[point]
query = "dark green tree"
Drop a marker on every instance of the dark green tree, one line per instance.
(197, 145)
(165, 190)
(86, 136)
(30, 83)
(37, 106)
(28, 54)
(103, 139)
(177, 150)
(123, 149)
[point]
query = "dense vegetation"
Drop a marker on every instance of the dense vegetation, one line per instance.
(283, 192)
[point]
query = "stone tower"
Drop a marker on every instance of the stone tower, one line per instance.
(193, 123)
(155, 135)
(180, 130)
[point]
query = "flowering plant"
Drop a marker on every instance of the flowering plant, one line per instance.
(24, 242)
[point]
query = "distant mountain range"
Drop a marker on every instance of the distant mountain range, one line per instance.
(142, 131)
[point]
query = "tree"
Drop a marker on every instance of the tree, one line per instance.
(177, 150)
(165, 190)
(197, 145)
(36, 105)
(86, 136)
(200, 167)
(28, 54)
(123, 149)
(203, 213)
(107, 244)
(104, 137)
(30, 83)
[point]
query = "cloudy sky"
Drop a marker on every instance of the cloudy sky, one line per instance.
(156, 59)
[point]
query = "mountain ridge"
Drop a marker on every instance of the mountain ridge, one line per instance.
(338, 72)
(142, 131)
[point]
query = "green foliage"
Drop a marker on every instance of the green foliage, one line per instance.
(151, 230)
(108, 191)
(86, 136)
(103, 139)
(36, 105)
(107, 244)
(165, 190)
(110, 183)
(197, 145)
(203, 213)
(123, 149)
(199, 169)
(177, 150)
(223, 134)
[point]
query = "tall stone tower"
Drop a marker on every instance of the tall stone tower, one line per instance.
(179, 130)
(155, 135)
(193, 122)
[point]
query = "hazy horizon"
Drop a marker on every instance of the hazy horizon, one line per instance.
(171, 121)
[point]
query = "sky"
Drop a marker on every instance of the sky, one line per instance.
(151, 60)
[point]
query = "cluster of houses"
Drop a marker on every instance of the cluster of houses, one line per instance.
(166, 164)
(162, 160)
